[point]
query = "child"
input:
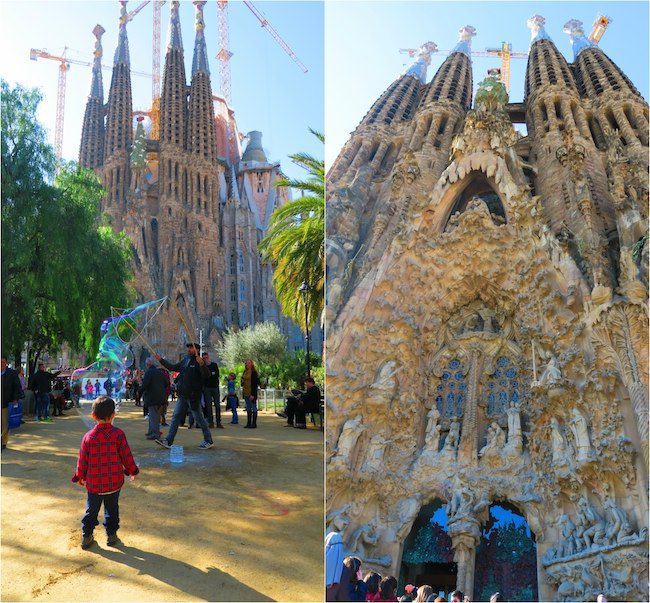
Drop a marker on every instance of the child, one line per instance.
(104, 459)
(231, 398)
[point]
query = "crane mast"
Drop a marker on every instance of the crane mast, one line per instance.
(224, 55)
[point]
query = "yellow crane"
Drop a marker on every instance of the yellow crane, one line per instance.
(600, 25)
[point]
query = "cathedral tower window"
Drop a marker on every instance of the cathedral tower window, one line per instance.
(233, 265)
(242, 291)
(233, 292)
(451, 391)
(240, 257)
(260, 182)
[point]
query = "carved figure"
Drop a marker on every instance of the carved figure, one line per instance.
(362, 536)
(406, 511)
(551, 374)
(618, 526)
(590, 525)
(451, 442)
(339, 519)
(496, 440)
(350, 433)
(515, 440)
(558, 445)
(568, 530)
(578, 425)
(433, 430)
(461, 504)
(375, 455)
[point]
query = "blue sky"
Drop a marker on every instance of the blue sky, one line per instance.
(362, 40)
(270, 93)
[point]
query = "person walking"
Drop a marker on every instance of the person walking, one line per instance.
(250, 383)
(41, 383)
(11, 393)
(153, 391)
(211, 392)
(104, 459)
(192, 372)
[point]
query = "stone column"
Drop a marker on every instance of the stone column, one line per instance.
(464, 540)
(468, 447)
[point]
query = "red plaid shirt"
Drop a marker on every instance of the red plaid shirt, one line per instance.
(104, 459)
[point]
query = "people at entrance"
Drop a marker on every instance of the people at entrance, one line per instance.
(456, 597)
(424, 592)
(372, 581)
(387, 588)
(211, 392)
(334, 567)
(356, 586)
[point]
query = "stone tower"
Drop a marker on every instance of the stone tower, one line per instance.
(91, 150)
(173, 188)
(487, 338)
(118, 135)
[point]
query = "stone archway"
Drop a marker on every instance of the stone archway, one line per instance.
(506, 556)
(427, 556)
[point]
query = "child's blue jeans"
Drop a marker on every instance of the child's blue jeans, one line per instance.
(111, 513)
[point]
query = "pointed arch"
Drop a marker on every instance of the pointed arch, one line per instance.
(477, 184)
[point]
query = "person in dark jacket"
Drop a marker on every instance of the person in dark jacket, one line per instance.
(154, 395)
(11, 393)
(357, 588)
(192, 373)
(211, 391)
(302, 403)
(41, 383)
(250, 383)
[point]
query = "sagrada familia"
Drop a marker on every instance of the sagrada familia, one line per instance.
(194, 207)
(488, 329)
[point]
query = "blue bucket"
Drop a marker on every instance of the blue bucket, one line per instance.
(15, 415)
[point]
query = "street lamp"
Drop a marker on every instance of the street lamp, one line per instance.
(304, 291)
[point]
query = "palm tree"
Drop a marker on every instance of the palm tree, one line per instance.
(295, 242)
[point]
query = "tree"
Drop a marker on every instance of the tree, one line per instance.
(263, 343)
(295, 242)
(62, 270)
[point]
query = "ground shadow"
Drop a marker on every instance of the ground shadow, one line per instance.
(180, 575)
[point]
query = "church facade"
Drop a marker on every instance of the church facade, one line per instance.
(193, 205)
(487, 351)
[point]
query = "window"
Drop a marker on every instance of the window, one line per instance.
(240, 257)
(233, 265)
(502, 387)
(260, 182)
(452, 390)
(242, 291)
(233, 292)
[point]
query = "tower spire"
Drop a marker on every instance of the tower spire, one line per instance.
(537, 32)
(97, 85)
(200, 58)
(122, 50)
(418, 69)
(174, 39)
(91, 150)
(577, 37)
(465, 35)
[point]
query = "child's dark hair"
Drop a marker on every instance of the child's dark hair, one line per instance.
(103, 408)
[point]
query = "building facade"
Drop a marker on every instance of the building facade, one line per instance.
(177, 183)
(487, 329)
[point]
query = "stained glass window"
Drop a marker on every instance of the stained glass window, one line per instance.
(451, 392)
(502, 387)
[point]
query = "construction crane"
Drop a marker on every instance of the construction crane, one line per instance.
(64, 66)
(600, 25)
(224, 55)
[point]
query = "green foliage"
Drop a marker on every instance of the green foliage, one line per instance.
(262, 343)
(295, 242)
(61, 270)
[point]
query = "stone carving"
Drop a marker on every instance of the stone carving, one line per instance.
(350, 433)
(432, 442)
(590, 526)
(551, 374)
(618, 526)
(558, 445)
(365, 537)
(496, 440)
(374, 457)
(515, 439)
(452, 439)
(578, 425)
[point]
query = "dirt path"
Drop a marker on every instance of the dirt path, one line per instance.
(242, 521)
